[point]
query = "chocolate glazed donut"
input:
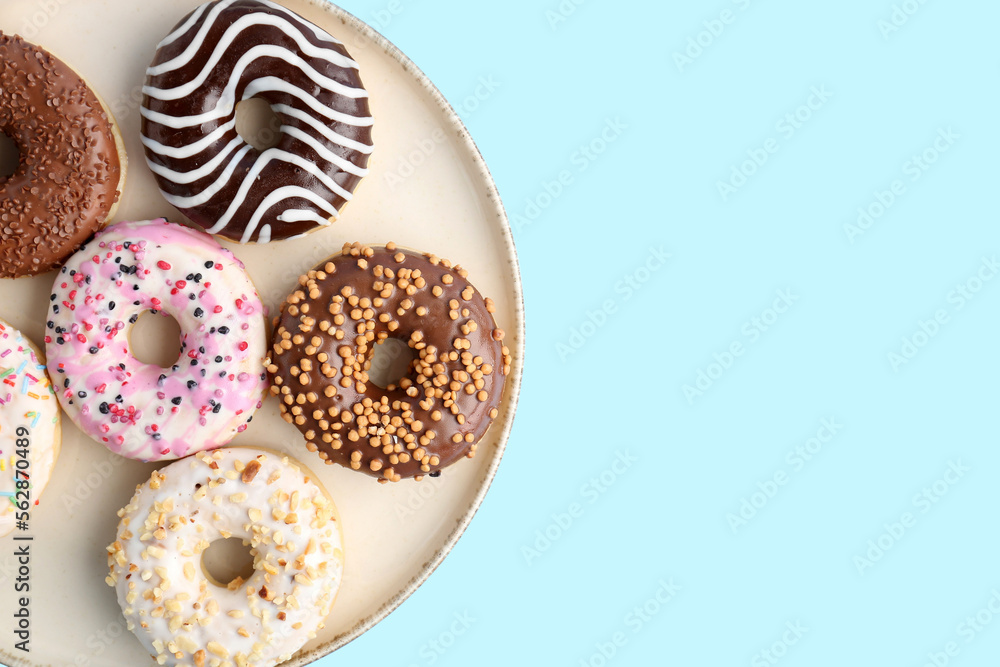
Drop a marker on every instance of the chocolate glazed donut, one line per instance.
(72, 163)
(323, 344)
(228, 51)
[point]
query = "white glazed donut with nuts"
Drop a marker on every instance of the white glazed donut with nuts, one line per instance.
(176, 610)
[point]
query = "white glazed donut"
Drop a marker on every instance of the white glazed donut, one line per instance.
(141, 411)
(29, 413)
(178, 613)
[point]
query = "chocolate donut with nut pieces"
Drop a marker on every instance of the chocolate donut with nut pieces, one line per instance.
(326, 335)
(71, 166)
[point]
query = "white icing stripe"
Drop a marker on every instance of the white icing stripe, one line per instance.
(297, 215)
(255, 53)
(264, 85)
(183, 152)
(176, 34)
(185, 177)
(315, 29)
(265, 234)
(273, 83)
(302, 163)
(324, 152)
(210, 20)
(206, 195)
(265, 158)
(223, 109)
(334, 137)
(234, 31)
(241, 197)
(287, 192)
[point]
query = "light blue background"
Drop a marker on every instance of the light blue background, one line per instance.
(826, 357)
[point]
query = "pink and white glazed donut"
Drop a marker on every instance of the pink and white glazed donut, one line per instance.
(142, 411)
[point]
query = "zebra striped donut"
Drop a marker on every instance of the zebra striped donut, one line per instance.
(228, 51)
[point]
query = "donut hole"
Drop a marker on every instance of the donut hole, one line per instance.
(391, 361)
(226, 560)
(155, 339)
(10, 156)
(258, 124)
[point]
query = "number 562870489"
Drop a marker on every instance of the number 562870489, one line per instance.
(22, 476)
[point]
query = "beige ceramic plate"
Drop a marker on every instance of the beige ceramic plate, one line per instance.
(442, 199)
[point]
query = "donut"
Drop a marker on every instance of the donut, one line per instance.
(177, 610)
(72, 160)
(29, 423)
(138, 410)
(324, 340)
(229, 51)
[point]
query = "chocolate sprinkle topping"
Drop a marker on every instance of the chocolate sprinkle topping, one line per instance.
(66, 184)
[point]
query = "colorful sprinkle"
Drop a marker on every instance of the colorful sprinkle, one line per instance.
(98, 375)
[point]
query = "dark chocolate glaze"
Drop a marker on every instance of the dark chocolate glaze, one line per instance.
(323, 341)
(264, 76)
(66, 184)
